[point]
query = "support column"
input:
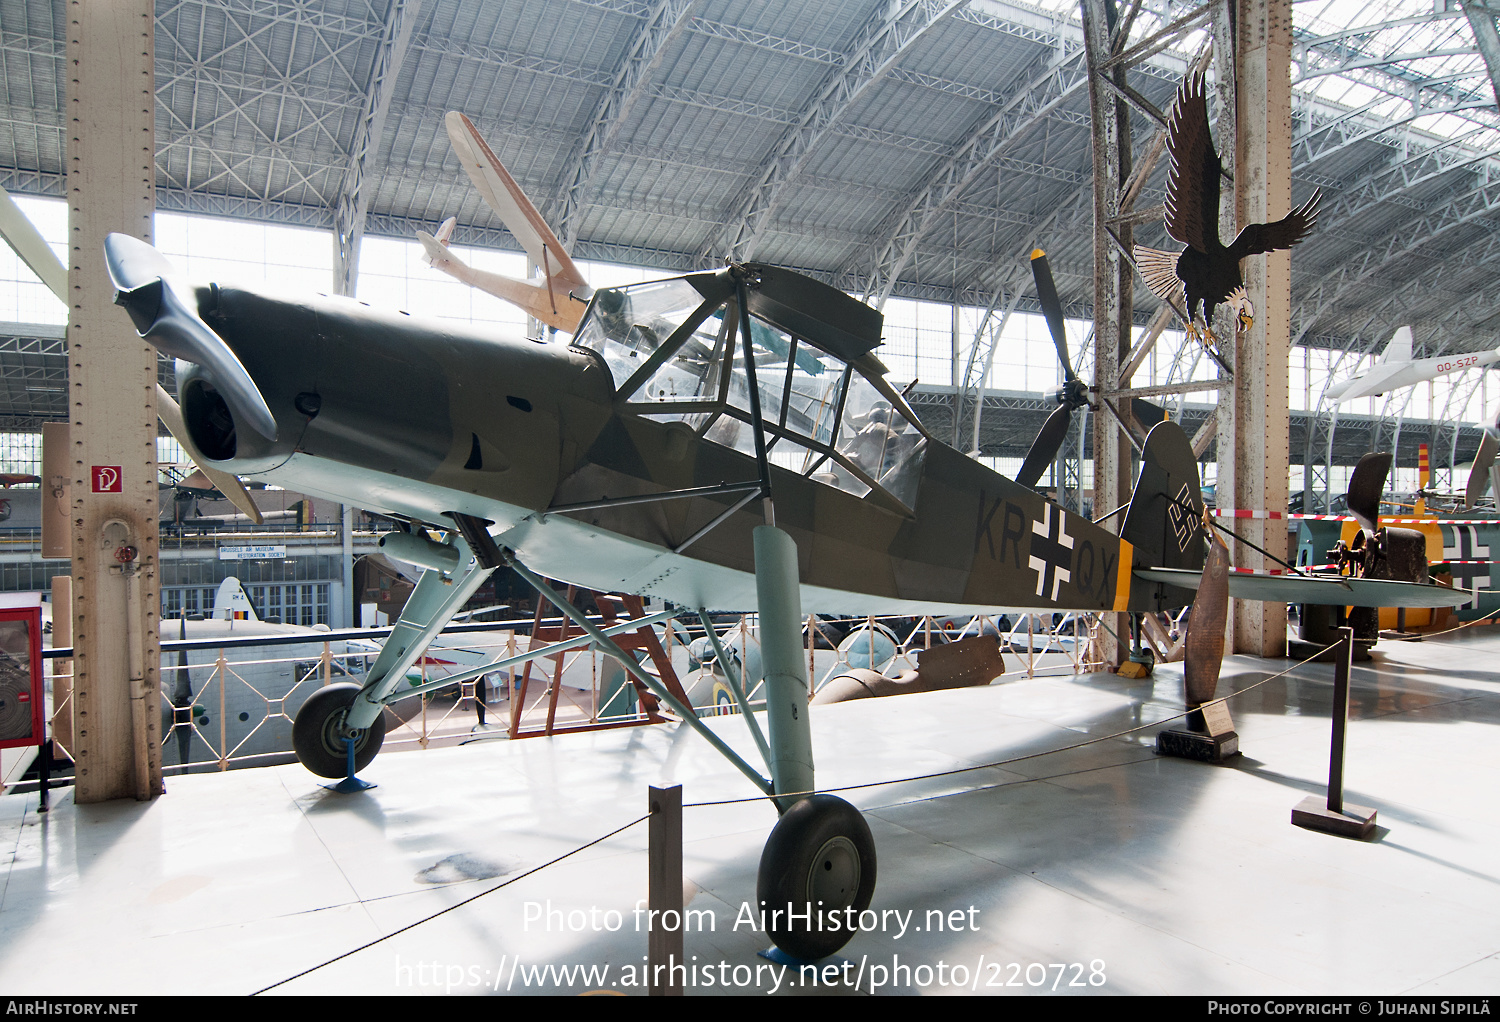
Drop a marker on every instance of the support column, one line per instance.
(1263, 193)
(111, 146)
(1113, 285)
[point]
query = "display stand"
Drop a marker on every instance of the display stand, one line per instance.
(1333, 814)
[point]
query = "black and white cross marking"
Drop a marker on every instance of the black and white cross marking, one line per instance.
(1466, 547)
(1051, 552)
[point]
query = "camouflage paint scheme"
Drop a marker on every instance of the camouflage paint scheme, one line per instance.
(419, 419)
(422, 420)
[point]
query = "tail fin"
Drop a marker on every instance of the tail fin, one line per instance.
(445, 230)
(435, 251)
(1399, 348)
(231, 603)
(1164, 522)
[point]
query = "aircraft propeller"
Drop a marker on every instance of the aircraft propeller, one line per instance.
(165, 309)
(1483, 473)
(1074, 392)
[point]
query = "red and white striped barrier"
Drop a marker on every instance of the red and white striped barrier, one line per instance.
(1384, 519)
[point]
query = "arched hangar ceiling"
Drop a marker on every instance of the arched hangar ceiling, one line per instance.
(910, 147)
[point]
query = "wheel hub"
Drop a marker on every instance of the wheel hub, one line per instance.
(834, 877)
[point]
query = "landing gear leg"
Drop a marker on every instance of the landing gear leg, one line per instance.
(817, 871)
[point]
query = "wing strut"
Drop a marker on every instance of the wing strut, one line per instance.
(606, 645)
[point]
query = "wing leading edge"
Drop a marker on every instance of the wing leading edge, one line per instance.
(1347, 592)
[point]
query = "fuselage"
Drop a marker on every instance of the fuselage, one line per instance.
(419, 419)
(1388, 376)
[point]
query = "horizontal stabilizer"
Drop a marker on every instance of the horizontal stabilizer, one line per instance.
(1326, 590)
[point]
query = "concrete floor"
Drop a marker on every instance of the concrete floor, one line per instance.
(1103, 869)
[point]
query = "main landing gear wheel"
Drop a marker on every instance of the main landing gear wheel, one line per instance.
(820, 860)
(318, 732)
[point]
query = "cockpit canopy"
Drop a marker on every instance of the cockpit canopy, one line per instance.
(675, 352)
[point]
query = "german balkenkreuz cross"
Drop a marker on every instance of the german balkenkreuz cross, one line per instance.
(1466, 547)
(1051, 552)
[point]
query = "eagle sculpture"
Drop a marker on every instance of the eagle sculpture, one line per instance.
(1206, 274)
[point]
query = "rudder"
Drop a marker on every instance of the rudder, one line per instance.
(1164, 521)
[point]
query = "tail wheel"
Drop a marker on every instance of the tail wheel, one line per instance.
(318, 732)
(817, 873)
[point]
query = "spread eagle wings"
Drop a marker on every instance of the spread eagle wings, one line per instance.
(1192, 205)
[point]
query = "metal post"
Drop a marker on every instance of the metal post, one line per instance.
(1340, 720)
(1113, 284)
(111, 178)
(1333, 814)
(1263, 194)
(664, 894)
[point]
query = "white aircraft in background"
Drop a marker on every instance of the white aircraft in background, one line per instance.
(1397, 368)
(560, 297)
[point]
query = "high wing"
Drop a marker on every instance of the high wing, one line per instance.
(509, 202)
(1375, 380)
(1341, 591)
(1193, 181)
(1397, 368)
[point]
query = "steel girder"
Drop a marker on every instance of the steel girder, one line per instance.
(665, 20)
(877, 47)
(1056, 79)
(354, 195)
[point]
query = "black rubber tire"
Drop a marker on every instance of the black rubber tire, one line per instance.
(820, 850)
(315, 732)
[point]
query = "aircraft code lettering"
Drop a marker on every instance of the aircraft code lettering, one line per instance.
(1085, 566)
(1460, 363)
(1012, 530)
(1107, 579)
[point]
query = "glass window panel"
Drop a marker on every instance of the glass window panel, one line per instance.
(693, 373)
(628, 324)
(879, 441)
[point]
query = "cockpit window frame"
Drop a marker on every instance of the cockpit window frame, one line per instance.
(722, 297)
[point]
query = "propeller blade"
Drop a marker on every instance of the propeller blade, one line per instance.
(166, 313)
(171, 417)
(1366, 484)
(1479, 475)
(1205, 637)
(1046, 293)
(1045, 447)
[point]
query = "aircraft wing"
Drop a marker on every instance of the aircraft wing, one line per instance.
(1375, 380)
(1347, 592)
(510, 203)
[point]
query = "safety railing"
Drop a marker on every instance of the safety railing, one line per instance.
(231, 705)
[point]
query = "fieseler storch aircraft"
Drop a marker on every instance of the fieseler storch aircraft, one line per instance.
(723, 440)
